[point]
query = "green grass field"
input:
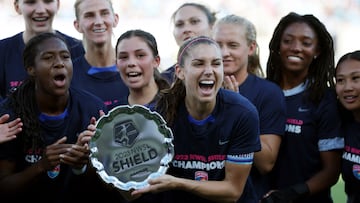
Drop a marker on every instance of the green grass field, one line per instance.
(338, 193)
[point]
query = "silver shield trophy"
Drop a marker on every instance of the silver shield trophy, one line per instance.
(132, 144)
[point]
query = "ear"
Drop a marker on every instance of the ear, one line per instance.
(116, 20)
(252, 48)
(179, 72)
(31, 71)
(156, 62)
(77, 26)
(317, 53)
(17, 8)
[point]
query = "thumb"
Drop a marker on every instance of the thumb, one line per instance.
(61, 140)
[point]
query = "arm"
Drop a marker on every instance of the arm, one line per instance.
(228, 190)
(324, 179)
(265, 159)
(329, 174)
(12, 181)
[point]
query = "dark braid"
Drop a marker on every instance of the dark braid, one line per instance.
(24, 104)
(321, 71)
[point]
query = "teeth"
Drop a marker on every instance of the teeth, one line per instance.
(207, 82)
(99, 30)
(40, 19)
(294, 58)
(349, 97)
(133, 74)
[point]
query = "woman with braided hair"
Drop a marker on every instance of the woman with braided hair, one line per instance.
(47, 161)
(301, 62)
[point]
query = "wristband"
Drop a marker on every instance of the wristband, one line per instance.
(287, 195)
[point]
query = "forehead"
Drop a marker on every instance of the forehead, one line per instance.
(204, 51)
(225, 30)
(94, 5)
(348, 66)
(131, 44)
(299, 29)
(187, 12)
(54, 44)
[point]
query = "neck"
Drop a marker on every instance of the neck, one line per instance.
(100, 56)
(143, 95)
(52, 105)
(291, 80)
(27, 35)
(199, 110)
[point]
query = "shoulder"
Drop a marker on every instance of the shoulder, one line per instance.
(68, 38)
(80, 61)
(13, 40)
(85, 97)
(265, 86)
(75, 45)
(234, 100)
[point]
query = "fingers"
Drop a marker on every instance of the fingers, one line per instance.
(9, 130)
(76, 156)
(15, 126)
(231, 83)
(4, 118)
(101, 112)
(60, 141)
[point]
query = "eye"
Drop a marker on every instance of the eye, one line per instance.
(356, 78)
(66, 55)
(339, 80)
(122, 57)
(179, 24)
(194, 21)
(105, 13)
(234, 45)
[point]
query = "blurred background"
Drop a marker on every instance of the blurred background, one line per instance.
(341, 17)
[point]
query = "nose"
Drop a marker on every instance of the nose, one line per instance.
(224, 51)
(40, 7)
(348, 86)
(59, 63)
(296, 46)
(98, 19)
(131, 62)
(208, 70)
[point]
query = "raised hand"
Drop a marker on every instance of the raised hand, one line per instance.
(9, 130)
(231, 83)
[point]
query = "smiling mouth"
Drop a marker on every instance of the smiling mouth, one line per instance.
(133, 74)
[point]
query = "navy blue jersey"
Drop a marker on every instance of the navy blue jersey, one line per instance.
(202, 147)
(124, 101)
(310, 129)
(12, 71)
(169, 74)
(104, 82)
(269, 100)
(351, 160)
(61, 182)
